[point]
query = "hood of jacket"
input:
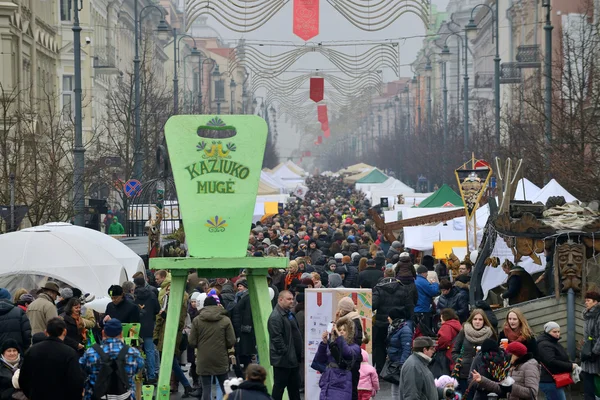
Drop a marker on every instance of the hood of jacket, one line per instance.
(6, 306)
(389, 285)
(212, 313)
(166, 282)
(115, 220)
(142, 294)
(461, 285)
(253, 386)
(335, 280)
(454, 324)
(365, 355)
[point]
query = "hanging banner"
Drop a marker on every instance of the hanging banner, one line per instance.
(307, 154)
(327, 133)
(325, 126)
(317, 89)
(320, 139)
(322, 113)
(472, 184)
(306, 19)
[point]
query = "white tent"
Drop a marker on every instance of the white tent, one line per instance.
(553, 188)
(40, 252)
(269, 185)
(127, 257)
(526, 190)
(288, 177)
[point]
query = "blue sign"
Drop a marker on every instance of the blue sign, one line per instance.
(132, 187)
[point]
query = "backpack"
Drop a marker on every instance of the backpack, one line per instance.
(112, 381)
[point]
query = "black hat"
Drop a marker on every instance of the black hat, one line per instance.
(397, 312)
(489, 345)
(115, 290)
(242, 282)
(210, 301)
(9, 344)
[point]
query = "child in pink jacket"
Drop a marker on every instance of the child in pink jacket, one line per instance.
(368, 385)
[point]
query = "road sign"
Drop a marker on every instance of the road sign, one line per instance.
(132, 187)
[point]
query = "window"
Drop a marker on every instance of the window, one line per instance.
(219, 90)
(67, 97)
(65, 10)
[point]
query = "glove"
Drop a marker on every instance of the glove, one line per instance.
(505, 390)
(449, 393)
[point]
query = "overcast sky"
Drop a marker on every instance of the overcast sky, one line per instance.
(333, 27)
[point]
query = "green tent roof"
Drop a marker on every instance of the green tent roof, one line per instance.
(375, 176)
(441, 197)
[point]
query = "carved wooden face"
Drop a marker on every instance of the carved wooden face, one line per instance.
(569, 259)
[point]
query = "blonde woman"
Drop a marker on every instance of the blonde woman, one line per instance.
(516, 329)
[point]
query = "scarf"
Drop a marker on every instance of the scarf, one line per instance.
(395, 325)
(424, 357)
(476, 336)
(513, 335)
(13, 365)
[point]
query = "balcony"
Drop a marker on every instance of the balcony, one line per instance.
(484, 80)
(510, 73)
(105, 60)
(528, 56)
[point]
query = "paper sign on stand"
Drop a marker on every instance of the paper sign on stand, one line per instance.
(320, 310)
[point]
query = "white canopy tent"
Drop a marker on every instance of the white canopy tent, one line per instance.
(526, 190)
(269, 185)
(287, 177)
(32, 254)
(553, 188)
(127, 257)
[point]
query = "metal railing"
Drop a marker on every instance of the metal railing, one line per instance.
(510, 73)
(484, 80)
(105, 57)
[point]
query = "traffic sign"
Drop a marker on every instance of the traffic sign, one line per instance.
(132, 187)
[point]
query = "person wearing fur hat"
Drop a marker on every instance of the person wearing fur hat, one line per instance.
(416, 380)
(14, 323)
(554, 360)
(10, 362)
(525, 374)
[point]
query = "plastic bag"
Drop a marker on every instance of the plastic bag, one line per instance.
(575, 374)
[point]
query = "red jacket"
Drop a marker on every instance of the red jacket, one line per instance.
(448, 331)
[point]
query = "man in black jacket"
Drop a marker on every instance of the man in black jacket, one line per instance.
(14, 323)
(121, 308)
(50, 369)
(285, 348)
(147, 302)
(368, 278)
(455, 298)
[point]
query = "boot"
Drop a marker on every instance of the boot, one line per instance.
(174, 384)
(188, 391)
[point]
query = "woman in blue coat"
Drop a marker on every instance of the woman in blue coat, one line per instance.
(399, 340)
(338, 353)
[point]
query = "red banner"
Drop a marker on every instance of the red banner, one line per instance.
(320, 139)
(322, 113)
(327, 133)
(317, 89)
(306, 19)
(307, 154)
(325, 126)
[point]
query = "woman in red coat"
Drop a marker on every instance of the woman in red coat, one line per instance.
(447, 333)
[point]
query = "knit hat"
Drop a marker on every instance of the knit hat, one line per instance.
(195, 296)
(397, 312)
(489, 345)
(444, 381)
(4, 294)
(66, 293)
(346, 304)
(210, 301)
(300, 253)
(113, 328)
(346, 260)
(331, 262)
(9, 344)
(355, 254)
(396, 244)
(200, 301)
(422, 341)
(115, 290)
(139, 281)
(338, 256)
(26, 298)
(551, 325)
(340, 270)
(404, 255)
(517, 348)
(242, 282)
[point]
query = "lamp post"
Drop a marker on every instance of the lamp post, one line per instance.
(548, 83)
(218, 87)
(471, 32)
(78, 149)
(428, 71)
(407, 91)
(163, 30)
(396, 110)
(202, 78)
(195, 53)
(232, 86)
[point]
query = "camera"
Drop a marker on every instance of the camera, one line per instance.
(88, 40)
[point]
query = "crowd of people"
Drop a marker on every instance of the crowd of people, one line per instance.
(426, 339)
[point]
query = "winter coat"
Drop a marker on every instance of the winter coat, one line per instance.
(241, 318)
(159, 327)
(212, 329)
(51, 371)
(458, 300)
(417, 381)
(74, 333)
(314, 255)
(369, 380)
(339, 356)
(427, 291)
(553, 356)
(591, 328)
(530, 343)
(521, 287)
(126, 311)
(6, 386)
(465, 349)
(228, 296)
(368, 278)
(250, 390)
(391, 253)
(14, 324)
(405, 270)
(446, 335)
(526, 374)
(390, 293)
(399, 342)
(40, 311)
(147, 302)
(285, 343)
(351, 280)
(358, 329)
(115, 228)
(442, 271)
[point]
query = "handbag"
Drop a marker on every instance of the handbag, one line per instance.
(440, 365)
(586, 350)
(391, 372)
(563, 379)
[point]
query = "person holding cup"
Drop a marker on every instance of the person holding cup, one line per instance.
(516, 329)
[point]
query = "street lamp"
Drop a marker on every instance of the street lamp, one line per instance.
(232, 86)
(548, 83)
(471, 32)
(201, 71)
(78, 149)
(428, 72)
(195, 54)
(219, 88)
(407, 91)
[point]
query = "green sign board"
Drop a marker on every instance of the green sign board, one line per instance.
(217, 181)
